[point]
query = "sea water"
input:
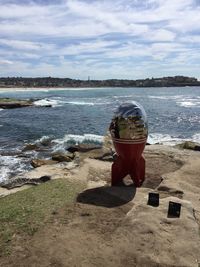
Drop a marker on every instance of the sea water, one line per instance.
(83, 115)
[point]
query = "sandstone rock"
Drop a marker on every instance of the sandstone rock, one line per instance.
(14, 105)
(39, 162)
(82, 148)
(8, 103)
(189, 145)
(104, 157)
(63, 157)
(29, 147)
(18, 182)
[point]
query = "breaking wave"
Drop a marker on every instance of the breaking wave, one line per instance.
(11, 166)
(166, 139)
(189, 104)
(70, 139)
(180, 100)
(46, 102)
(80, 103)
(56, 102)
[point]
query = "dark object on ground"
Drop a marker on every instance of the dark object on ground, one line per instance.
(60, 157)
(82, 148)
(12, 183)
(108, 197)
(174, 210)
(153, 199)
(105, 157)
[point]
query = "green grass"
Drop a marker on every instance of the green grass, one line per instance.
(26, 211)
(9, 100)
(13, 100)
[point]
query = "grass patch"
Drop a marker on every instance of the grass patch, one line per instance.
(10, 100)
(26, 211)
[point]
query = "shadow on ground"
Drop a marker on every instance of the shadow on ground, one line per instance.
(107, 196)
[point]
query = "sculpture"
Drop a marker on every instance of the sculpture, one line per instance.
(129, 131)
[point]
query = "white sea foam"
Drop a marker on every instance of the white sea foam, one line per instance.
(196, 137)
(46, 101)
(1, 109)
(9, 165)
(158, 97)
(56, 102)
(87, 103)
(189, 104)
(44, 140)
(80, 103)
(167, 97)
(124, 96)
(72, 139)
(165, 139)
(180, 100)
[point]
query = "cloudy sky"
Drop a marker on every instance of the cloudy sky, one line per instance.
(126, 39)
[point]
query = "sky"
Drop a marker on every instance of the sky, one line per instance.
(103, 39)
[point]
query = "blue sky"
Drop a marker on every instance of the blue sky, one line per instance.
(103, 39)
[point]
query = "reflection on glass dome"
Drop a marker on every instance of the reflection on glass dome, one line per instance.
(129, 122)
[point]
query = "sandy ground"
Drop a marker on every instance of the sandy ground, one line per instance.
(114, 226)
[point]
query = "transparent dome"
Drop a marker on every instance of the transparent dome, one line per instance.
(129, 122)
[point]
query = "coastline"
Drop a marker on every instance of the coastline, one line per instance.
(100, 212)
(175, 156)
(66, 88)
(46, 89)
(170, 81)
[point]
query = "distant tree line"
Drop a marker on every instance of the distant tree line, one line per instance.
(67, 82)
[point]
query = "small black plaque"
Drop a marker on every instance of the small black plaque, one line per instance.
(174, 210)
(153, 199)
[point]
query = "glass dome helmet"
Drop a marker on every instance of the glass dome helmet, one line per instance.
(129, 122)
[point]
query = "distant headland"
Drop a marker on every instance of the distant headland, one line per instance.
(175, 81)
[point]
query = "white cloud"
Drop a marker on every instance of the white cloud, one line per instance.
(23, 45)
(101, 37)
(161, 35)
(5, 62)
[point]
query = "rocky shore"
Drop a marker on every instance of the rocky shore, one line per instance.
(8, 103)
(131, 232)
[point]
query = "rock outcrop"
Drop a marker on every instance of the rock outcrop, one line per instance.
(83, 148)
(189, 145)
(39, 162)
(60, 157)
(13, 183)
(9, 103)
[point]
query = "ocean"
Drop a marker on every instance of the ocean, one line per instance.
(83, 115)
